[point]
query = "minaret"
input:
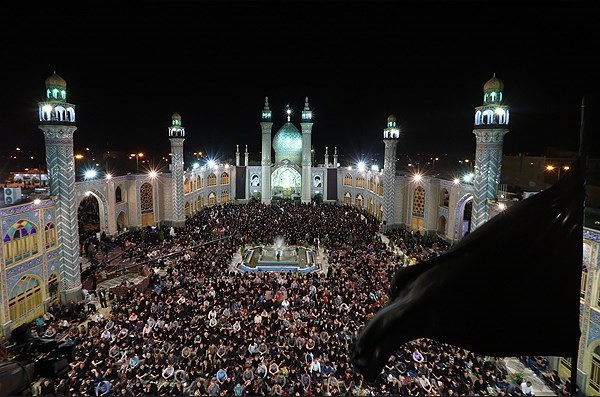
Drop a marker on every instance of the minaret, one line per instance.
(335, 157)
(391, 134)
(57, 121)
(491, 124)
(177, 136)
(246, 156)
(306, 125)
(266, 124)
(237, 155)
(326, 157)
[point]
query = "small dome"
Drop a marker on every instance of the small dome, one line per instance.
(56, 81)
(176, 116)
(391, 118)
(493, 84)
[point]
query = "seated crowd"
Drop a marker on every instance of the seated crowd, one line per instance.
(204, 328)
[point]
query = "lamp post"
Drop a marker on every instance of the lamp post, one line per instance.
(551, 168)
(137, 156)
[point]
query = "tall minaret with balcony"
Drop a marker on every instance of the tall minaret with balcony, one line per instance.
(177, 136)
(391, 134)
(491, 124)
(266, 125)
(306, 124)
(57, 121)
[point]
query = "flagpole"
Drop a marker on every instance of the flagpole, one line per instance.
(583, 151)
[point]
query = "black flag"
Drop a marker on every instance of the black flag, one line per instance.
(510, 288)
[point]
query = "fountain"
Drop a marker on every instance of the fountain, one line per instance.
(279, 257)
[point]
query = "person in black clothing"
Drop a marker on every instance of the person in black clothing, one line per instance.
(47, 388)
(102, 296)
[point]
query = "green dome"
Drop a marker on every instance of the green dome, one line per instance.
(288, 139)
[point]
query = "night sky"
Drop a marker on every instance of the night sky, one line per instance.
(129, 69)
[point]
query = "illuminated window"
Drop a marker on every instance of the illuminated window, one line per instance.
(359, 201)
(347, 198)
(225, 198)
(380, 188)
(187, 186)
(211, 180)
(50, 235)
(199, 202)
(584, 278)
(212, 198)
(20, 242)
(188, 209)
(360, 181)
(595, 371)
(371, 184)
(53, 287)
(118, 195)
(418, 206)
(347, 180)
(146, 198)
(566, 362)
(444, 198)
(225, 178)
(25, 300)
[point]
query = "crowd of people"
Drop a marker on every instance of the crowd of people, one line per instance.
(205, 328)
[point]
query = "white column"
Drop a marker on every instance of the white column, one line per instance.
(266, 162)
(389, 177)
(306, 161)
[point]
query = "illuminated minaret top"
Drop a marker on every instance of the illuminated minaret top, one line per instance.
(55, 107)
(176, 130)
(306, 112)
(266, 112)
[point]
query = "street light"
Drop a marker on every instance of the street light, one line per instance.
(551, 168)
(90, 174)
(137, 157)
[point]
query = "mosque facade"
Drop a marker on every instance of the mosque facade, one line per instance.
(39, 260)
